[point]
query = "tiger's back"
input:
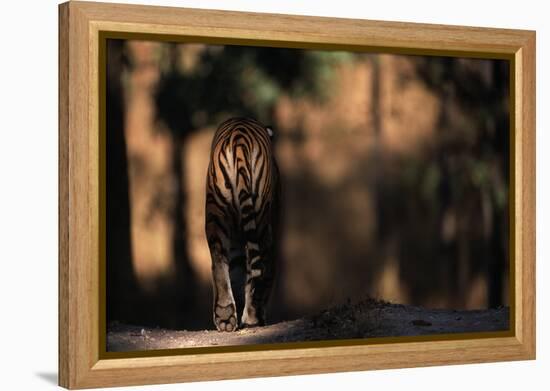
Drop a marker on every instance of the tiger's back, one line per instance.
(242, 206)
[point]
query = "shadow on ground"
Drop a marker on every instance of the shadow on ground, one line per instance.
(48, 377)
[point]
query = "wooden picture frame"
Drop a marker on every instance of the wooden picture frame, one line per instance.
(81, 225)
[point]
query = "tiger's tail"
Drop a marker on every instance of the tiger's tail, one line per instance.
(249, 227)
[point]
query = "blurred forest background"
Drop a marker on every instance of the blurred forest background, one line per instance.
(394, 175)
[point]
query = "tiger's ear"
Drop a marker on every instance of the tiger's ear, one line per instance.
(269, 131)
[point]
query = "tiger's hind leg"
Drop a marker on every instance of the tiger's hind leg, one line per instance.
(237, 274)
(259, 281)
(225, 311)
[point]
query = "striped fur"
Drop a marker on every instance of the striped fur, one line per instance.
(242, 201)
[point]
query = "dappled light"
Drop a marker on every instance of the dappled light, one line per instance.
(394, 174)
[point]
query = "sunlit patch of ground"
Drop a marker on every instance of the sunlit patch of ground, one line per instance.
(366, 319)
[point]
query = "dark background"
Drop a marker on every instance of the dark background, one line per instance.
(394, 168)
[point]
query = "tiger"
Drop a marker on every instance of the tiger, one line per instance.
(241, 220)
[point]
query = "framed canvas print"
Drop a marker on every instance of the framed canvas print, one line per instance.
(247, 195)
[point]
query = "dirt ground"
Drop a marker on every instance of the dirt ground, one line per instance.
(363, 320)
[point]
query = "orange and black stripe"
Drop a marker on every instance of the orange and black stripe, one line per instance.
(242, 193)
